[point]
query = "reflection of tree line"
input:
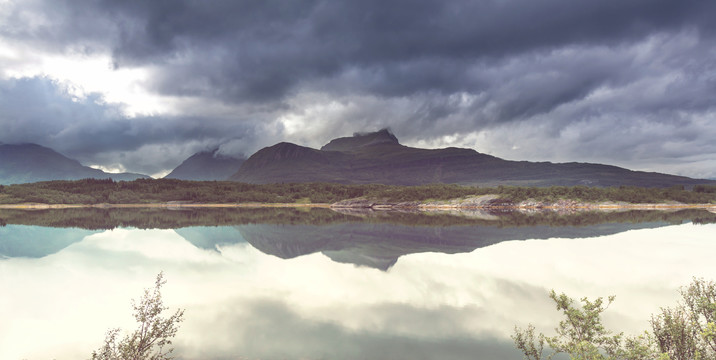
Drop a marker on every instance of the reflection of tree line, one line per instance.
(155, 218)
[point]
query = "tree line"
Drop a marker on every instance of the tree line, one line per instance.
(142, 191)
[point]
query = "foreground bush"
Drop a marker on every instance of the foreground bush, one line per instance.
(684, 332)
(152, 339)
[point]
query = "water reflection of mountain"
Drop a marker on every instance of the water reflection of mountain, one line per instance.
(210, 237)
(380, 245)
(36, 241)
(378, 239)
(375, 239)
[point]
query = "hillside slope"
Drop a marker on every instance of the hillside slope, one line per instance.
(27, 163)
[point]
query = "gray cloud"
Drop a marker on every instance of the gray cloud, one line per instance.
(247, 50)
(39, 110)
(406, 47)
(272, 330)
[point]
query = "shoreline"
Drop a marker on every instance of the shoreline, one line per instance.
(376, 207)
(38, 206)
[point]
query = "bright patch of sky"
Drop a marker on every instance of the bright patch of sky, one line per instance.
(84, 74)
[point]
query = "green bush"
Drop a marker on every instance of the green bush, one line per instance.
(684, 332)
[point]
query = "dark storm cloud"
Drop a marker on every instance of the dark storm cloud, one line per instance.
(263, 50)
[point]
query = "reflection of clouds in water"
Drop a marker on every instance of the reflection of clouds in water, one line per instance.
(240, 301)
(59, 306)
(270, 329)
(642, 268)
(154, 245)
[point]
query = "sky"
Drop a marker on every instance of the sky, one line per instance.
(135, 85)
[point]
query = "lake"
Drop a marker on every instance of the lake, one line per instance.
(320, 284)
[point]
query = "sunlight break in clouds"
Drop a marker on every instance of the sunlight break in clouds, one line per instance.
(85, 74)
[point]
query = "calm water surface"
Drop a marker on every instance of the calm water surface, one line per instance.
(292, 284)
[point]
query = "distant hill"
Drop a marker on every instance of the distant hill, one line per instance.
(27, 163)
(206, 165)
(378, 157)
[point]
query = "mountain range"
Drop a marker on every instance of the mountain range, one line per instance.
(26, 163)
(378, 157)
(364, 158)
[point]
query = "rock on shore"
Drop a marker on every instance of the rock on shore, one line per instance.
(483, 201)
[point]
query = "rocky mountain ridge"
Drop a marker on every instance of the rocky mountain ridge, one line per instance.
(379, 157)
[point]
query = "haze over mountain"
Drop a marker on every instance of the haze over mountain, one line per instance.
(378, 157)
(206, 165)
(26, 163)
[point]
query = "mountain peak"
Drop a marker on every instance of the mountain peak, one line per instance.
(207, 165)
(362, 140)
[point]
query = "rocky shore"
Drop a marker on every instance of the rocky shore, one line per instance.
(488, 202)
(474, 203)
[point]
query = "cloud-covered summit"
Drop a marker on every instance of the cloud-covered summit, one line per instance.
(625, 83)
